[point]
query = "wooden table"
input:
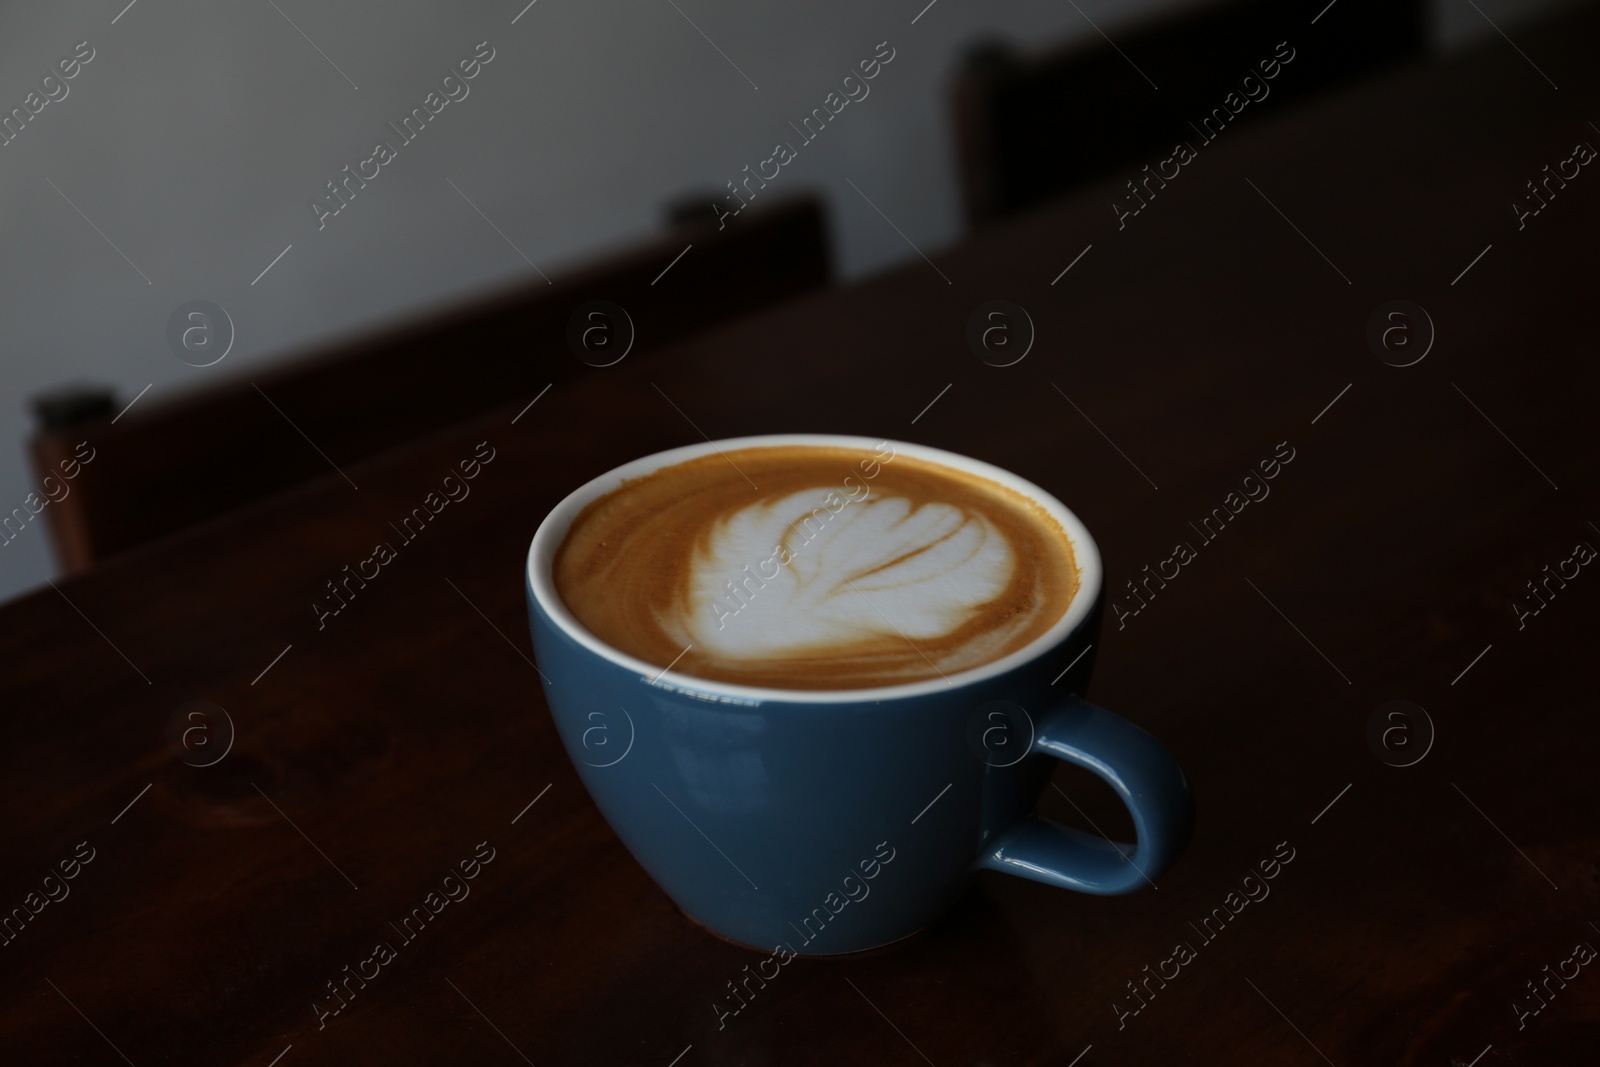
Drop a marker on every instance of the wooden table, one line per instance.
(373, 755)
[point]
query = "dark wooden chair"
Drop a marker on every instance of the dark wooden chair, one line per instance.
(167, 464)
(1028, 128)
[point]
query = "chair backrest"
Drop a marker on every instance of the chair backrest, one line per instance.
(1029, 128)
(167, 464)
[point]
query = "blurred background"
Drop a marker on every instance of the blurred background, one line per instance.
(182, 162)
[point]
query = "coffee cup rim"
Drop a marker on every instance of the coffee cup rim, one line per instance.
(553, 530)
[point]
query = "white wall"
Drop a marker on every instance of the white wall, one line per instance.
(198, 133)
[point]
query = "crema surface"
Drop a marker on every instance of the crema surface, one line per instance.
(802, 567)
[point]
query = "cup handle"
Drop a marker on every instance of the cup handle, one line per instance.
(1145, 776)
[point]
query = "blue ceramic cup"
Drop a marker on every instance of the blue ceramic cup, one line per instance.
(830, 821)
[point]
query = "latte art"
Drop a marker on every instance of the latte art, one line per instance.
(845, 568)
(880, 566)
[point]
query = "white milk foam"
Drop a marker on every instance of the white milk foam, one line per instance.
(795, 574)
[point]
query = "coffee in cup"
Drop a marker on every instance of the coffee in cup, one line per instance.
(807, 566)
